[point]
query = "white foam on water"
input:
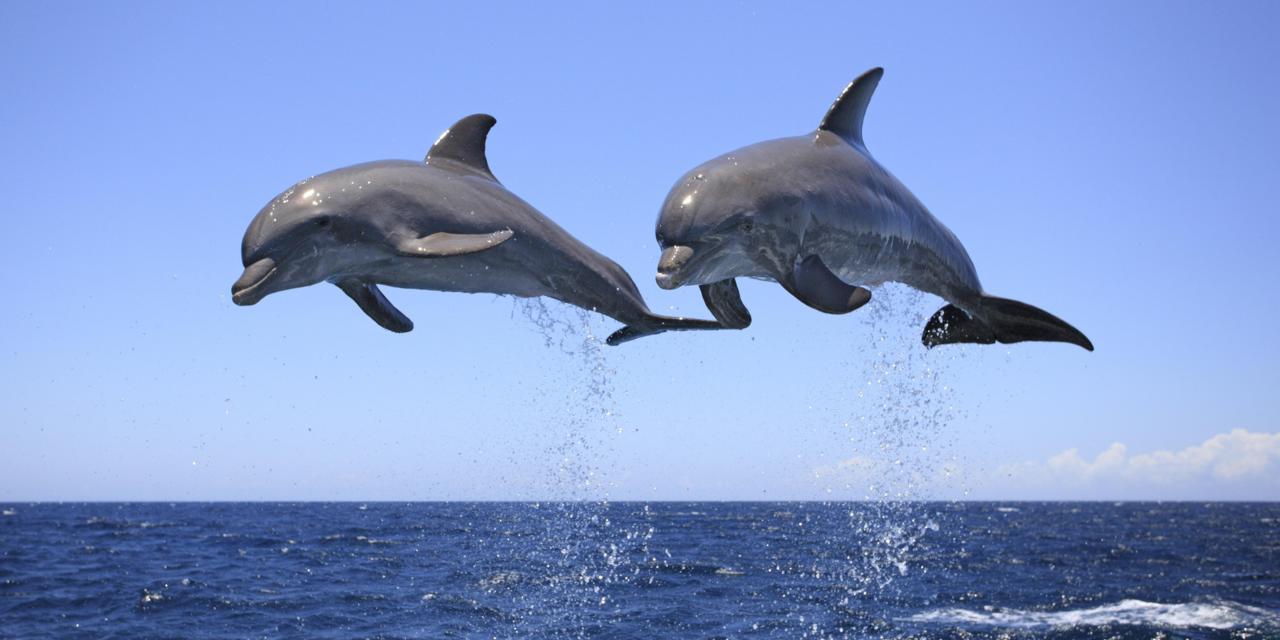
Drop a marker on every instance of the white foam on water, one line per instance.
(1220, 614)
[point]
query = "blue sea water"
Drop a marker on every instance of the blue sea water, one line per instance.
(633, 570)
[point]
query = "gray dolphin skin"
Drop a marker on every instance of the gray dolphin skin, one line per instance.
(445, 224)
(818, 215)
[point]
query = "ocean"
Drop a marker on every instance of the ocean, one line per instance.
(637, 570)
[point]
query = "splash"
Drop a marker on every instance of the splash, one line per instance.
(579, 384)
(897, 434)
(904, 411)
(569, 575)
(580, 551)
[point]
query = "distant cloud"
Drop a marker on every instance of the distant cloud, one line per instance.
(1235, 465)
(1226, 458)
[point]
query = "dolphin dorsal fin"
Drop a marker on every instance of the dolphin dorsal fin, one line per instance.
(461, 147)
(844, 118)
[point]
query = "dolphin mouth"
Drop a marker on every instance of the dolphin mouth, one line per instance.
(249, 288)
(673, 259)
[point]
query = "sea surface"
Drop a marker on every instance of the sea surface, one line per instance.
(635, 570)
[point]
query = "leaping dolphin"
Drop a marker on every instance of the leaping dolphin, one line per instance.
(817, 214)
(445, 224)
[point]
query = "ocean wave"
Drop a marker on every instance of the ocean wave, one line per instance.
(1219, 614)
(696, 569)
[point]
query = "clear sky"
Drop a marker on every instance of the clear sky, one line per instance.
(1114, 163)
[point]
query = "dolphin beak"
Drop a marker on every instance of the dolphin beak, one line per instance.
(249, 288)
(672, 261)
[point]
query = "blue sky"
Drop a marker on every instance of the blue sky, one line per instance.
(1112, 163)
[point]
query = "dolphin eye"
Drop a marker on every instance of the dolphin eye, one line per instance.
(747, 226)
(322, 221)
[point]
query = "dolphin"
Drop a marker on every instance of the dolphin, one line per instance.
(819, 216)
(445, 224)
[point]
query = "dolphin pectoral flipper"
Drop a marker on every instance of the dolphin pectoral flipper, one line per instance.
(813, 283)
(724, 302)
(375, 305)
(444, 245)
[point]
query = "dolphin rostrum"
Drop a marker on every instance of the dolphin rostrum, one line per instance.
(445, 224)
(818, 215)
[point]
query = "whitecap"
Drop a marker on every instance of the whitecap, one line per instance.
(500, 579)
(1221, 614)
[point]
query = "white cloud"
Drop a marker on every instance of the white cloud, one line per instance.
(1238, 455)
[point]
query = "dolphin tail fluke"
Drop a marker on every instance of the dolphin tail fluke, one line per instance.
(1000, 320)
(660, 324)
